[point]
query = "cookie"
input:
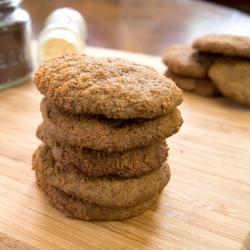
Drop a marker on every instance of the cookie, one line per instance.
(130, 163)
(186, 61)
(105, 191)
(232, 77)
(204, 87)
(223, 44)
(112, 87)
(76, 208)
(101, 133)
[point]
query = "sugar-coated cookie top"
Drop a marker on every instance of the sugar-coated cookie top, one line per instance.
(113, 87)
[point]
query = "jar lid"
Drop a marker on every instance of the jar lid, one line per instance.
(69, 18)
(9, 3)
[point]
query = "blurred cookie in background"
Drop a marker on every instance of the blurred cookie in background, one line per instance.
(184, 60)
(232, 77)
(204, 87)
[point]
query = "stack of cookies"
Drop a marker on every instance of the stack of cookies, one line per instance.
(214, 64)
(105, 121)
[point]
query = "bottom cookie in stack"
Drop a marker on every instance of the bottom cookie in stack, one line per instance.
(96, 198)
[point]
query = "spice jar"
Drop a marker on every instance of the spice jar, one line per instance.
(64, 31)
(15, 37)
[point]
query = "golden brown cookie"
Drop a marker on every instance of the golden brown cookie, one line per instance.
(130, 163)
(223, 44)
(76, 208)
(232, 77)
(101, 133)
(199, 86)
(107, 191)
(186, 61)
(113, 87)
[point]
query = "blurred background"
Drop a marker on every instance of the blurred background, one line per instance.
(147, 26)
(242, 5)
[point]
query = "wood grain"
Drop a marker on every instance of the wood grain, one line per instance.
(205, 206)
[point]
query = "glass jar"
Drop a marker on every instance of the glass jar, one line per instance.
(15, 44)
(65, 31)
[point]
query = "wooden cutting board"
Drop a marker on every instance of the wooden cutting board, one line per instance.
(205, 206)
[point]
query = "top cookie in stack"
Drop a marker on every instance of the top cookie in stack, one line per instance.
(111, 87)
(214, 63)
(104, 126)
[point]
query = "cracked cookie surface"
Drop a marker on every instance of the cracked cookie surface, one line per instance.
(77, 208)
